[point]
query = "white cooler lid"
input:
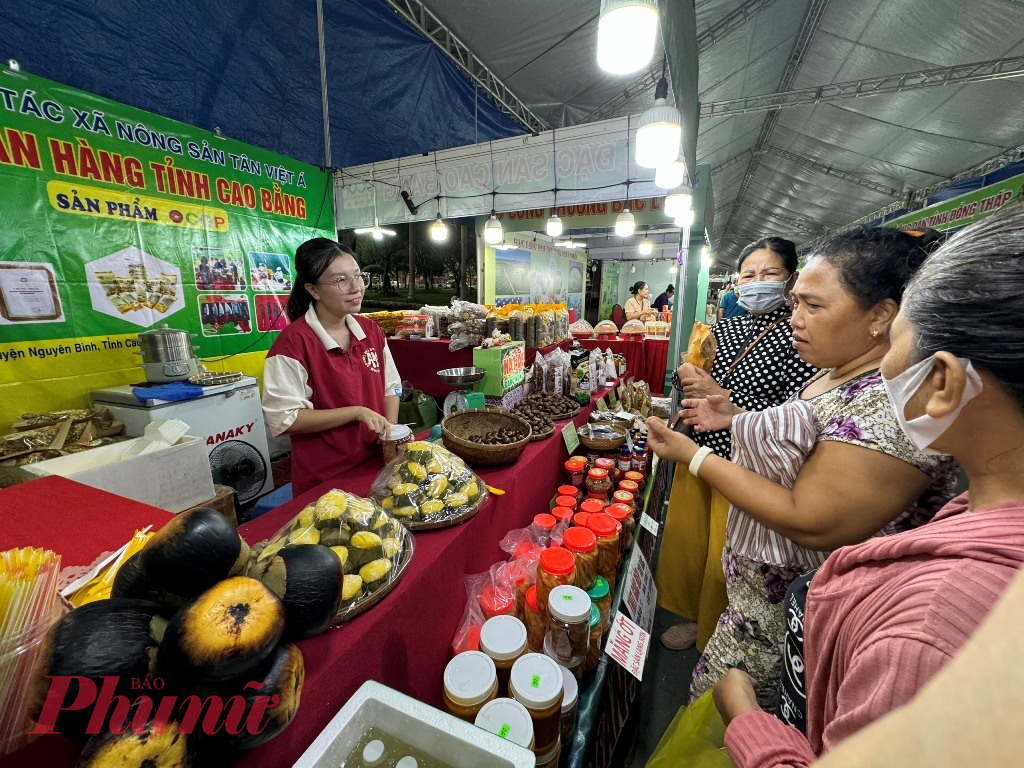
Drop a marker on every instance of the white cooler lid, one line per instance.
(124, 395)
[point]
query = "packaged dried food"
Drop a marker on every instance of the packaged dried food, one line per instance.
(374, 548)
(581, 329)
(426, 485)
(568, 638)
(517, 325)
(633, 328)
(606, 328)
(466, 311)
(583, 544)
(701, 348)
(557, 568)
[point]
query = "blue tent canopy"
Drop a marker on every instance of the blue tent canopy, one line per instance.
(252, 69)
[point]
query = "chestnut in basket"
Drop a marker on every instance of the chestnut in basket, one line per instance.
(498, 437)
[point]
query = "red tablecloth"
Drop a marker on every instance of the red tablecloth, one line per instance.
(405, 642)
(419, 361)
(655, 365)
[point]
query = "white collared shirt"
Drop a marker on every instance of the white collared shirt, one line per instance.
(286, 387)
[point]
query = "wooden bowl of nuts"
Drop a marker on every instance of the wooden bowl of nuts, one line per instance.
(491, 437)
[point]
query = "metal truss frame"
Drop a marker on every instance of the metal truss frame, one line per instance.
(423, 19)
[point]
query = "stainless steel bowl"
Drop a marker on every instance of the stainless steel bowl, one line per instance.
(456, 376)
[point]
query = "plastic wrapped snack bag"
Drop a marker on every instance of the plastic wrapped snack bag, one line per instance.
(373, 547)
(426, 486)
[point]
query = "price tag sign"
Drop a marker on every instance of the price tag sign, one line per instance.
(628, 645)
(572, 440)
(601, 404)
(648, 522)
(641, 593)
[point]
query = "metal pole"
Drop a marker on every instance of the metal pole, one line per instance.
(323, 81)
(463, 260)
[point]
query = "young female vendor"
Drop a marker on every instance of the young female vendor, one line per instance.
(329, 381)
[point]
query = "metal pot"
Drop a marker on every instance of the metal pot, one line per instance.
(165, 345)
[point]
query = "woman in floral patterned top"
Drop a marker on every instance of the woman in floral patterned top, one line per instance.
(828, 468)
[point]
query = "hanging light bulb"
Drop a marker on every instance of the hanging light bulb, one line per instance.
(554, 226)
(673, 269)
(493, 233)
(438, 230)
(676, 203)
(670, 176)
(660, 131)
(377, 233)
(625, 224)
(632, 269)
(685, 218)
(646, 247)
(626, 35)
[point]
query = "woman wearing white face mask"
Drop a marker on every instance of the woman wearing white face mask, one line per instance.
(828, 468)
(882, 618)
(755, 367)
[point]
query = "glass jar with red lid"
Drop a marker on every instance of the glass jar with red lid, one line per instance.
(606, 529)
(563, 514)
(497, 602)
(606, 464)
(566, 501)
(571, 490)
(557, 567)
(592, 506)
(598, 483)
(582, 542)
(580, 519)
(542, 526)
(576, 471)
(635, 476)
(625, 497)
(624, 517)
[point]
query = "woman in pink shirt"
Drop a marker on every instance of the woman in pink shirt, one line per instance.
(884, 616)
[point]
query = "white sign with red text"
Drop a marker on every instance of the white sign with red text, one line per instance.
(628, 645)
(640, 593)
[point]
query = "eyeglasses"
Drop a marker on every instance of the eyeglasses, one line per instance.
(349, 283)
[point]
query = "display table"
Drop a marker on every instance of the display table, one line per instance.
(655, 364)
(418, 361)
(404, 643)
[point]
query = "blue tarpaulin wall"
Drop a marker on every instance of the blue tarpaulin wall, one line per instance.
(252, 69)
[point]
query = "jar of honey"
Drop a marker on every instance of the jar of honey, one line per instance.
(509, 719)
(583, 544)
(470, 681)
(503, 638)
(557, 568)
(536, 683)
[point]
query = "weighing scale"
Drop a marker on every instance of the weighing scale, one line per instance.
(461, 398)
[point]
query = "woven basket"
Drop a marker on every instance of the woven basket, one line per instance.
(603, 443)
(457, 428)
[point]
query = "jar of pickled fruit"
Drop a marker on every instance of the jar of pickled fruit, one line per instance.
(557, 568)
(568, 637)
(606, 529)
(583, 544)
(599, 484)
(624, 517)
(601, 596)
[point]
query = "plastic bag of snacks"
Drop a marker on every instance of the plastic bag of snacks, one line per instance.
(465, 311)
(373, 547)
(701, 349)
(426, 486)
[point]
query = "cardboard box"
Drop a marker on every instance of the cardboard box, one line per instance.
(507, 400)
(176, 478)
(223, 501)
(505, 366)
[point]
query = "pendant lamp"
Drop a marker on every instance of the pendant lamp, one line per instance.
(626, 34)
(646, 247)
(438, 230)
(625, 224)
(685, 218)
(554, 226)
(670, 176)
(660, 131)
(676, 203)
(493, 233)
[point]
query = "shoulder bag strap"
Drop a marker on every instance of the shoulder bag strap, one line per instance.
(750, 347)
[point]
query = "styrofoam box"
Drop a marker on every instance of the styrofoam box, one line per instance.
(437, 733)
(175, 479)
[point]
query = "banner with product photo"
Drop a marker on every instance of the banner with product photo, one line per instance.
(529, 270)
(114, 221)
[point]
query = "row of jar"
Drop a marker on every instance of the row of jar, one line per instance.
(528, 699)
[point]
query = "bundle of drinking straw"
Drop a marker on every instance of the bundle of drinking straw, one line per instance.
(29, 605)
